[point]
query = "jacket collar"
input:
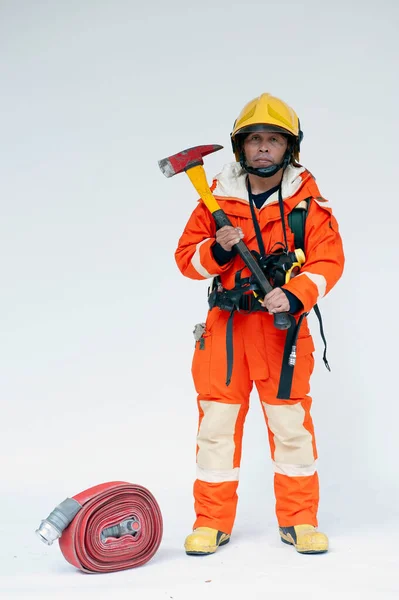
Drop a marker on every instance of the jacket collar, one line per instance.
(231, 183)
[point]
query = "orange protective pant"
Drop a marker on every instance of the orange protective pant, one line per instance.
(258, 352)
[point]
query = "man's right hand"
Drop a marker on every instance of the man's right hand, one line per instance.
(227, 236)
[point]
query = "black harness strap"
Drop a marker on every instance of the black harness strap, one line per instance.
(323, 337)
(287, 370)
(239, 299)
(296, 221)
(229, 347)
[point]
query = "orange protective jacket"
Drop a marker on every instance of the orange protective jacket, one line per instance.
(323, 245)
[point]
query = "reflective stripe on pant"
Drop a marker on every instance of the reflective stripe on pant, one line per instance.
(258, 350)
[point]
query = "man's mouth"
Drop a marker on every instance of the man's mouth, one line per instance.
(264, 161)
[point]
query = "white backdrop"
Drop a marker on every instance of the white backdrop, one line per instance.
(95, 318)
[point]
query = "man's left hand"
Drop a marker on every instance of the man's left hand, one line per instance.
(276, 301)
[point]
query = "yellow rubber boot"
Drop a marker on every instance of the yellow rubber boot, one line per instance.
(205, 540)
(305, 538)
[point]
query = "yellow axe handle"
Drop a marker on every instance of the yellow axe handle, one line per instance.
(198, 179)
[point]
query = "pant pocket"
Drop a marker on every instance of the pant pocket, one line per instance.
(201, 363)
(303, 368)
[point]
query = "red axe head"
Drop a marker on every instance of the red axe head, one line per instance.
(182, 161)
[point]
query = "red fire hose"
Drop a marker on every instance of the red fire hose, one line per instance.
(116, 526)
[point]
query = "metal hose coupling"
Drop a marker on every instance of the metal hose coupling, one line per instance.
(51, 528)
(129, 526)
(292, 357)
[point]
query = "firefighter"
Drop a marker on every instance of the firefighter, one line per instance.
(238, 345)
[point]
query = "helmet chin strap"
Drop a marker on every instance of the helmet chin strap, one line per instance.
(266, 171)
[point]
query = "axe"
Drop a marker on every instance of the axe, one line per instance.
(191, 162)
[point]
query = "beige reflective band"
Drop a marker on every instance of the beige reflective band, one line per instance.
(217, 476)
(215, 437)
(293, 443)
(319, 281)
(295, 470)
(196, 261)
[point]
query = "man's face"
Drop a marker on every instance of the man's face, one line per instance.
(264, 148)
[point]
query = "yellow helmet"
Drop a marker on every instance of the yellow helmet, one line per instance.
(267, 113)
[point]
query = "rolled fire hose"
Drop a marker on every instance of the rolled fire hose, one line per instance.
(109, 527)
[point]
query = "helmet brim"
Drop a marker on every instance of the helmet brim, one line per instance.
(263, 127)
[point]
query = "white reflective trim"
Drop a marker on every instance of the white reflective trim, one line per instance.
(293, 442)
(319, 281)
(215, 437)
(214, 476)
(295, 470)
(326, 204)
(196, 261)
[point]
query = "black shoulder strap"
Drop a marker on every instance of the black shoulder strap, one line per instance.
(296, 221)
